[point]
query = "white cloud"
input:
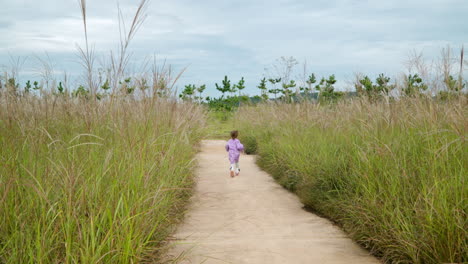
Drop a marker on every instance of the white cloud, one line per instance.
(240, 38)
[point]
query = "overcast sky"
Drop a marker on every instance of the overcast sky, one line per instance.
(243, 37)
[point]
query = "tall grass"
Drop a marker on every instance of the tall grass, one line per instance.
(92, 182)
(392, 174)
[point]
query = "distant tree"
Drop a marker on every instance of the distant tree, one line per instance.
(383, 84)
(12, 86)
(188, 92)
(81, 92)
(327, 89)
(365, 87)
(414, 85)
(28, 87)
(310, 81)
(363, 84)
(273, 82)
(308, 88)
(143, 85)
(233, 90)
(36, 86)
(226, 86)
(287, 90)
(453, 85)
(106, 85)
(60, 88)
(240, 85)
(160, 87)
(263, 89)
(130, 88)
(126, 86)
(200, 90)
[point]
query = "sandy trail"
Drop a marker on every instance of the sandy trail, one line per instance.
(252, 219)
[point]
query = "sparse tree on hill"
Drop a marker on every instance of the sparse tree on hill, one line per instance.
(287, 90)
(226, 86)
(27, 88)
(414, 85)
(372, 91)
(310, 81)
(326, 89)
(188, 92)
(263, 89)
(200, 90)
(273, 82)
(240, 85)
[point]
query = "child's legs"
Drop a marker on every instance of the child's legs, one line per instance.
(234, 166)
(234, 163)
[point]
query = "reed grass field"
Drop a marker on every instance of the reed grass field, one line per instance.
(98, 162)
(87, 182)
(392, 174)
(97, 171)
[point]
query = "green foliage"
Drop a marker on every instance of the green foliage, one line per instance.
(143, 85)
(106, 86)
(327, 89)
(127, 86)
(374, 91)
(383, 85)
(364, 85)
(12, 85)
(27, 87)
(188, 92)
(287, 90)
(453, 85)
(200, 91)
(36, 86)
(226, 86)
(201, 88)
(311, 80)
(273, 82)
(263, 89)
(250, 143)
(414, 85)
(81, 92)
(240, 85)
(219, 124)
(227, 104)
(161, 87)
(60, 88)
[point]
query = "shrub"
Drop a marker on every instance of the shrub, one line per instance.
(250, 144)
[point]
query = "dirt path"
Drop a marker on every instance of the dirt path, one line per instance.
(251, 219)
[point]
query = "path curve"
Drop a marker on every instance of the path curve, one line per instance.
(251, 219)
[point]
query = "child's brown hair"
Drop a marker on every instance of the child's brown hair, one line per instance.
(234, 134)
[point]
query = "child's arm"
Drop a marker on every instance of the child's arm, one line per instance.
(240, 147)
(227, 147)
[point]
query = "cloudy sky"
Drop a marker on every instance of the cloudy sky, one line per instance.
(240, 38)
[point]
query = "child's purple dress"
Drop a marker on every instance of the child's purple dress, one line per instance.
(234, 147)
